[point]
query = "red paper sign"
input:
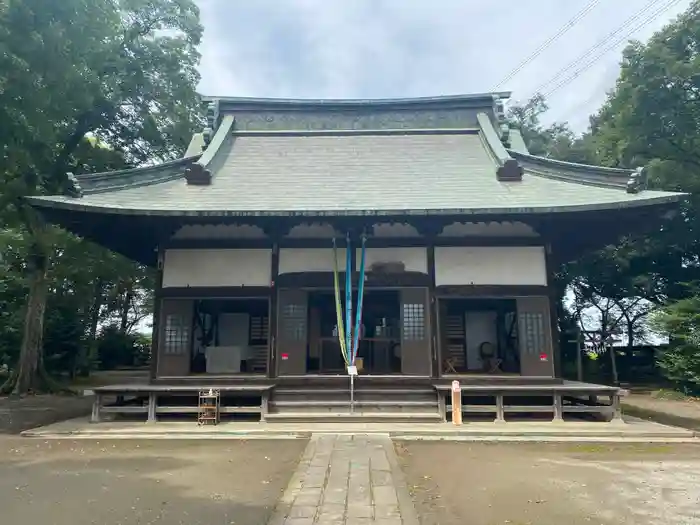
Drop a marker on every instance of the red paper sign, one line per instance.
(543, 357)
(285, 357)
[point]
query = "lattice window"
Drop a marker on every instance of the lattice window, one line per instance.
(531, 331)
(294, 322)
(177, 334)
(259, 328)
(413, 322)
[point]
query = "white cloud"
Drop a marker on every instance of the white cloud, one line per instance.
(404, 48)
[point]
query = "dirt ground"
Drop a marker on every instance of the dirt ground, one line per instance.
(17, 414)
(553, 484)
(684, 412)
(131, 482)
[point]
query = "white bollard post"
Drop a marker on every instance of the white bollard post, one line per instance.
(456, 403)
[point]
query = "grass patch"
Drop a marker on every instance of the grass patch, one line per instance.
(602, 448)
(671, 395)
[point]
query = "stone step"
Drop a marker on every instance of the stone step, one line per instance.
(341, 406)
(358, 416)
(395, 395)
(360, 402)
(379, 391)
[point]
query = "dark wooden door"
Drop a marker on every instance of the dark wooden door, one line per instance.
(175, 337)
(292, 332)
(535, 336)
(415, 332)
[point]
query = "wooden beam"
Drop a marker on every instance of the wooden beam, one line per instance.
(553, 314)
(435, 346)
(155, 334)
(504, 291)
(213, 292)
(272, 320)
(372, 242)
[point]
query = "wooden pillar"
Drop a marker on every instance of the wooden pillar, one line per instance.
(96, 406)
(155, 335)
(272, 324)
(558, 407)
(434, 330)
(152, 403)
(500, 408)
(553, 314)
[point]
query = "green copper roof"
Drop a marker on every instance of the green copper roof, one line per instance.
(249, 170)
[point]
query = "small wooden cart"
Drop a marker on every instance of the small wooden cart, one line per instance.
(209, 404)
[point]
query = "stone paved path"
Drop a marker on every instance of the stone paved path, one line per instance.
(347, 480)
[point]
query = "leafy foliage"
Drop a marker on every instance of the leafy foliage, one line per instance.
(681, 362)
(117, 92)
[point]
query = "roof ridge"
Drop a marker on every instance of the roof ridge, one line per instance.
(632, 180)
(509, 170)
(353, 132)
(349, 102)
(91, 183)
(90, 177)
(199, 173)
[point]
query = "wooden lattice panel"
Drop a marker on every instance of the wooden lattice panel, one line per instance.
(454, 328)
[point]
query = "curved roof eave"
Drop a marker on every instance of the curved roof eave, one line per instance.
(75, 205)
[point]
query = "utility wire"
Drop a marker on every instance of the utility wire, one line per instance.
(595, 47)
(537, 52)
(559, 80)
(586, 66)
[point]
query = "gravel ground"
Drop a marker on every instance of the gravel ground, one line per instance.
(131, 482)
(553, 484)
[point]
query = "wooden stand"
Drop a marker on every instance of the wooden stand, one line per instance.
(208, 410)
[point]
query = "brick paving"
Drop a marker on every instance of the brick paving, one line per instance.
(346, 480)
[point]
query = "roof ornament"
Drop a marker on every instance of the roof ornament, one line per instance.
(197, 175)
(505, 135)
(212, 114)
(638, 181)
(510, 171)
(74, 189)
(500, 110)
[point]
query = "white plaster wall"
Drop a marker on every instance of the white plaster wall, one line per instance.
(413, 259)
(520, 265)
(294, 260)
(217, 268)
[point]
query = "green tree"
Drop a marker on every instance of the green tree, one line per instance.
(652, 118)
(681, 361)
(557, 141)
(127, 76)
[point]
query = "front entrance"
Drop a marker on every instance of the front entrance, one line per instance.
(380, 342)
(479, 336)
(395, 333)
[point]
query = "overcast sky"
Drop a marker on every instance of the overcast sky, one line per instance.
(406, 48)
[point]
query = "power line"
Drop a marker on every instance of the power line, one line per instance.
(537, 52)
(602, 42)
(653, 16)
(560, 82)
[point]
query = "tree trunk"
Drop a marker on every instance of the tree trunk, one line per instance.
(613, 362)
(126, 305)
(31, 352)
(88, 360)
(630, 334)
